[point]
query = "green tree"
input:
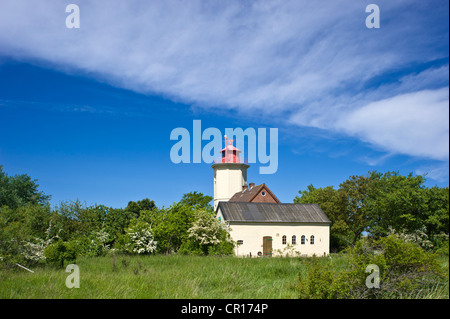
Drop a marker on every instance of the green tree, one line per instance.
(376, 203)
(60, 251)
(396, 202)
(23, 225)
(137, 207)
(20, 190)
(436, 216)
(333, 207)
(405, 271)
(207, 236)
(354, 194)
(197, 200)
(67, 218)
(170, 225)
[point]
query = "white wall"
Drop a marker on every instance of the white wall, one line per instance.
(252, 235)
(228, 180)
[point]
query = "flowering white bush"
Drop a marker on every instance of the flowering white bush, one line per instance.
(206, 229)
(34, 251)
(94, 244)
(98, 242)
(419, 237)
(140, 238)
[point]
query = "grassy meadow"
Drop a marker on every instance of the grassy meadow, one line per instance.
(172, 276)
(160, 276)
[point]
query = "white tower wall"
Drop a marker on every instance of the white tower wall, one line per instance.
(228, 180)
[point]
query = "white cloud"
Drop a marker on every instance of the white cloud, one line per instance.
(304, 62)
(415, 123)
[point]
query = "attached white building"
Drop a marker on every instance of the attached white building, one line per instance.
(266, 229)
(259, 223)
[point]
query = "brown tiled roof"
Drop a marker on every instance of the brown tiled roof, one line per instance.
(249, 194)
(246, 195)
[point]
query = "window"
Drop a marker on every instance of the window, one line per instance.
(294, 240)
(283, 240)
(240, 242)
(302, 240)
(312, 240)
(263, 193)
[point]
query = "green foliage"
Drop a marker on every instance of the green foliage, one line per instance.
(378, 202)
(23, 230)
(205, 229)
(60, 251)
(224, 248)
(139, 238)
(332, 205)
(137, 207)
(169, 225)
(116, 221)
(207, 236)
(24, 215)
(191, 247)
(197, 200)
(28, 224)
(20, 190)
(92, 245)
(316, 284)
(405, 269)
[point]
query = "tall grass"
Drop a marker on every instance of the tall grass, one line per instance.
(160, 276)
(177, 276)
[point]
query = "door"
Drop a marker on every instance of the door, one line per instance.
(267, 246)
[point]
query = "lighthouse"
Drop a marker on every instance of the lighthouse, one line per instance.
(230, 173)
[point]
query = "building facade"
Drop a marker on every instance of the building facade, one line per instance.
(271, 229)
(258, 222)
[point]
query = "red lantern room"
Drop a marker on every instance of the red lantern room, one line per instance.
(230, 154)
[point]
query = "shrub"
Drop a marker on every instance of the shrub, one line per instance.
(33, 251)
(205, 229)
(93, 245)
(60, 251)
(191, 247)
(223, 248)
(207, 236)
(404, 270)
(316, 284)
(138, 238)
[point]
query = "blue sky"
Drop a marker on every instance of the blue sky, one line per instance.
(88, 112)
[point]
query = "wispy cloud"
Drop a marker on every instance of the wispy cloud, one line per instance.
(437, 172)
(414, 123)
(305, 63)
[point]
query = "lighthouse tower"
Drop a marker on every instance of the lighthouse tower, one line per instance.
(230, 173)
